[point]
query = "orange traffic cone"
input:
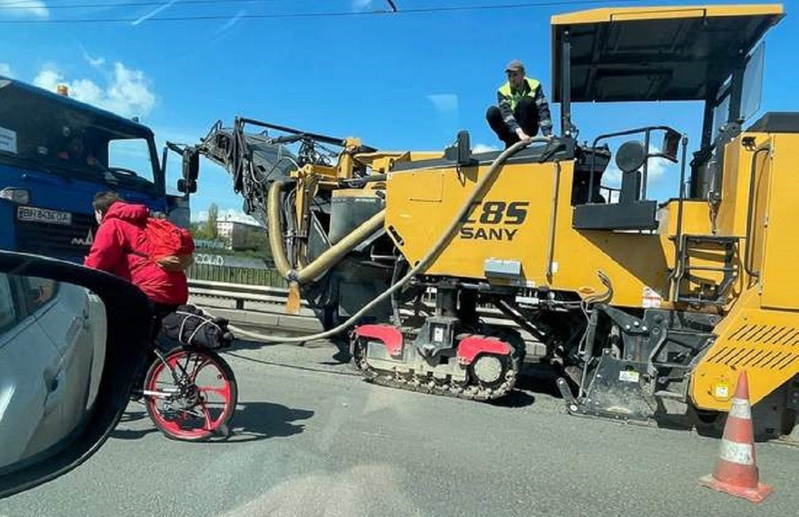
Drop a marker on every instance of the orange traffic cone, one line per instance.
(736, 470)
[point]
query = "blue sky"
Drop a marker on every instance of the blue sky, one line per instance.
(407, 81)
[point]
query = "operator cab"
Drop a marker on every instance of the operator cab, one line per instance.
(649, 54)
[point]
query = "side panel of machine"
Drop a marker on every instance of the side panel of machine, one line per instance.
(731, 219)
(761, 333)
(695, 219)
(525, 219)
(780, 275)
(506, 223)
(762, 342)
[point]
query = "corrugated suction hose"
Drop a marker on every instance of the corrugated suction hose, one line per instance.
(274, 224)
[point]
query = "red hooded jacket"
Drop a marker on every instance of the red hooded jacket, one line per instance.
(117, 249)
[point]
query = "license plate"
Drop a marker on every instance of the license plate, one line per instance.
(43, 215)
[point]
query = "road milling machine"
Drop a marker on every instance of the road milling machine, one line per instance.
(646, 308)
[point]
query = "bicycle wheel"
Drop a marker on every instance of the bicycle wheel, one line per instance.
(180, 403)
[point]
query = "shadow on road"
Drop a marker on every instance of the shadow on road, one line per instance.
(247, 344)
(262, 420)
(342, 354)
(515, 399)
(143, 428)
(252, 421)
(539, 378)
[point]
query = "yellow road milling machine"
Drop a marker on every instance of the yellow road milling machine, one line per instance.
(647, 308)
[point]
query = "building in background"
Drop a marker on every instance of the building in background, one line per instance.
(238, 235)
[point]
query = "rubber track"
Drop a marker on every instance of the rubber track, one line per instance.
(411, 382)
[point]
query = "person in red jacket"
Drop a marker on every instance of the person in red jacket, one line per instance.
(121, 248)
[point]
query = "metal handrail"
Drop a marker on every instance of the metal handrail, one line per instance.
(647, 130)
(750, 213)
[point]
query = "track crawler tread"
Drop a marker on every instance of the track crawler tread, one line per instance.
(412, 382)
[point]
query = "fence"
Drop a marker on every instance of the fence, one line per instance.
(235, 275)
(270, 278)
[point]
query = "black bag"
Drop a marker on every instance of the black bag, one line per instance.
(189, 325)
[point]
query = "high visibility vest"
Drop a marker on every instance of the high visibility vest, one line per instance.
(515, 97)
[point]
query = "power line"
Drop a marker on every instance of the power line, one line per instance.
(333, 14)
(26, 4)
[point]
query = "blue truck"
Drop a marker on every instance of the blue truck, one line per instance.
(56, 153)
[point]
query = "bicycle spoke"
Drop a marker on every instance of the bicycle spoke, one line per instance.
(192, 410)
(224, 391)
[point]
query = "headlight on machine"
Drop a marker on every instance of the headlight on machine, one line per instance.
(16, 195)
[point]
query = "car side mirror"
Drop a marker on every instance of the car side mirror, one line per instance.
(461, 151)
(671, 145)
(191, 164)
(187, 186)
(71, 339)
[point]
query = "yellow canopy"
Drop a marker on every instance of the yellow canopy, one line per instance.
(655, 53)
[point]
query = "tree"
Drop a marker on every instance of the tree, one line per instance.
(255, 239)
(200, 231)
(213, 217)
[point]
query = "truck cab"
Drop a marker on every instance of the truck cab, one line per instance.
(55, 154)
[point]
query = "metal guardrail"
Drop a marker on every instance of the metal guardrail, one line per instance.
(242, 294)
(235, 275)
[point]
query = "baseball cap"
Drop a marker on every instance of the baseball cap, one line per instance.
(514, 66)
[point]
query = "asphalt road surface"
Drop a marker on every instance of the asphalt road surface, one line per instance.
(311, 439)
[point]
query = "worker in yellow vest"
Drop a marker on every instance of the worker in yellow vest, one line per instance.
(522, 108)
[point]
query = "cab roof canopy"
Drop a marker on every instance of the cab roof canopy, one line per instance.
(654, 53)
(26, 96)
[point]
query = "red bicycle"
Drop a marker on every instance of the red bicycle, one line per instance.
(190, 391)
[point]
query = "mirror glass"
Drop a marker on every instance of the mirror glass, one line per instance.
(52, 353)
(753, 83)
(191, 164)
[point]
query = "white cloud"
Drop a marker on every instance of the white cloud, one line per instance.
(36, 8)
(96, 62)
(5, 69)
(483, 148)
(126, 93)
(445, 103)
(446, 113)
(656, 169)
